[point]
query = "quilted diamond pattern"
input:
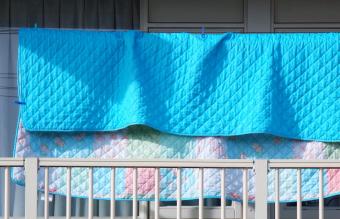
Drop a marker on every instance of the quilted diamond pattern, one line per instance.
(138, 142)
(217, 85)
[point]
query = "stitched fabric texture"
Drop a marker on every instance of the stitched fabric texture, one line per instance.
(185, 84)
(140, 142)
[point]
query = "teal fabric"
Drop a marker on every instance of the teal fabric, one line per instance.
(180, 83)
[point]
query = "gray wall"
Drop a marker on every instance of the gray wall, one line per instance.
(8, 109)
(241, 15)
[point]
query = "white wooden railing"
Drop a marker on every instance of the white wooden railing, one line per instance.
(261, 168)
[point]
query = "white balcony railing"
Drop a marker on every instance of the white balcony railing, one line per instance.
(260, 167)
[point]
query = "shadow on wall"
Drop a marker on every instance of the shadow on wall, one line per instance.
(8, 111)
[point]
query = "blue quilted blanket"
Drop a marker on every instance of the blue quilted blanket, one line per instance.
(198, 85)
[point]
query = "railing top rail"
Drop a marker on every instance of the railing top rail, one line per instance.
(171, 163)
(152, 163)
(11, 162)
(303, 164)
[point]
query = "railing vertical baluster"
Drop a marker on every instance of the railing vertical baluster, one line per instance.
(7, 194)
(277, 194)
(179, 202)
(143, 210)
(298, 195)
(245, 194)
(46, 201)
(156, 193)
(321, 201)
(134, 195)
(68, 193)
(261, 188)
(222, 193)
(201, 193)
(90, 201)
(113, 194)
(31, 188)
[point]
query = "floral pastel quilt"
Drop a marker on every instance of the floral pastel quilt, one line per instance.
(140, 142)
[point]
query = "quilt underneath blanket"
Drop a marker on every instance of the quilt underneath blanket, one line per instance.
(140, 142)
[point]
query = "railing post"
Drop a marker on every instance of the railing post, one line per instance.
(31, 189)
(261, 187)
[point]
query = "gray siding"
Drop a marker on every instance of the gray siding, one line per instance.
(106, 14)
(241, 15)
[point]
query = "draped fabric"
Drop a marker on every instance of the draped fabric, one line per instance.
(210, 84)
(140, 142)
